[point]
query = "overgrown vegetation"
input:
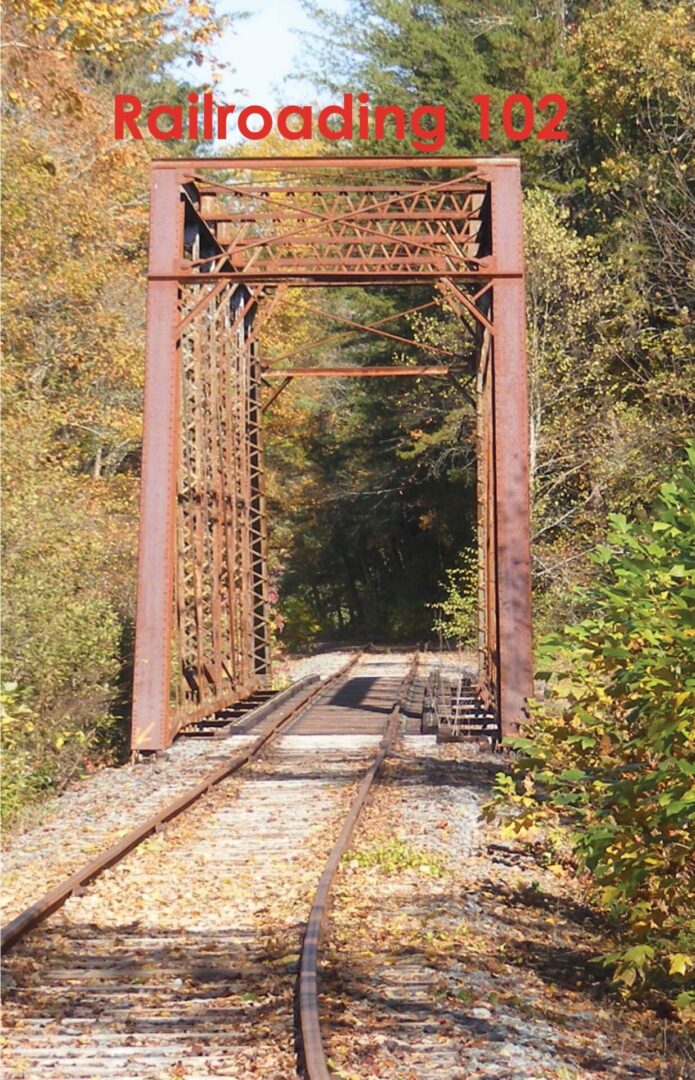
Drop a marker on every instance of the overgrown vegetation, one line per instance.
(610, 753)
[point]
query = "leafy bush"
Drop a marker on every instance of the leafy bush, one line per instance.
(456, 614)
(20, 782)
(611, 752)
(68, 592)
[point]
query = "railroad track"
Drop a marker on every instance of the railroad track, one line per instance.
(181, 960)
(312, 1048)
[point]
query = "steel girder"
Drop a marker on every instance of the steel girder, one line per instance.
(227, 238)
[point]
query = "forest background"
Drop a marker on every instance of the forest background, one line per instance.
(370, 482)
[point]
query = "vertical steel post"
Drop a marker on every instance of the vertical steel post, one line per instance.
(245, 486)
(480, 504)
(488, 653)
(511, 452)
(153, 631)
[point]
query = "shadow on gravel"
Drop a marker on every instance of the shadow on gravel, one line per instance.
(526, 896)
(475, 997)
(132, 980)
(482, 1024)
(343, 776)
(518, 918)
(431, 772)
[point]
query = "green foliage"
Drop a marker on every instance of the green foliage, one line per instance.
(608, 232)
(64, 613)
(445, 52)
(638, 86)
(20, 783)
(367, 501)
(456, 614)
(299, 626)
(612, 751)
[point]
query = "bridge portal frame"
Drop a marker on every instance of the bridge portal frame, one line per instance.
(216, 268)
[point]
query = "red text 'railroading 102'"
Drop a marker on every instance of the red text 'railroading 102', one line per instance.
(204, 120)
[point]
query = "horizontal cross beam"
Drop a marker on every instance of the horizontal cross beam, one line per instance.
(342, 275)
(361, 372)
(337, 162)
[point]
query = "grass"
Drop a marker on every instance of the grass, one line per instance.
(396, 855)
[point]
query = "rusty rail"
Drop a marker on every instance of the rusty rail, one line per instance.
(296, 698)
(312, 1051)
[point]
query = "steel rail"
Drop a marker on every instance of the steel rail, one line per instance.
(313, 1054)
(297, 698)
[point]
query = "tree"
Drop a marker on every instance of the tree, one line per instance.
(114, 31)
(447, 52)
(609, 230)
(74, 239)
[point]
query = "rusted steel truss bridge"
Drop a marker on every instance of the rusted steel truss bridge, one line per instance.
(229, 241)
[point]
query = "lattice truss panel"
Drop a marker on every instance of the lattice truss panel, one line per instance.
(404, 229)
(221, 646)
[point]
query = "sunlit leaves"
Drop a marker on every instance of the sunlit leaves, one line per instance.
(75, 223)
(612, 752)
(456, 613)
(112, 29)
